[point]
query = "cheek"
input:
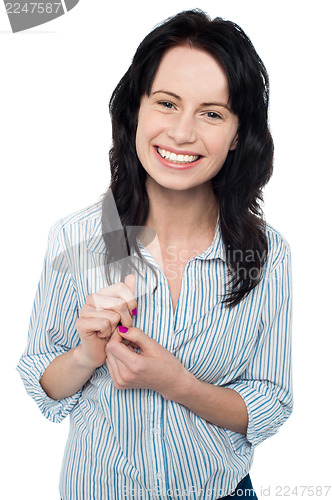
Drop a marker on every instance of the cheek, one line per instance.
(140, 151)
(218, 147)
(144, 131)
(141, 137)
(220, 144)
(149, 127)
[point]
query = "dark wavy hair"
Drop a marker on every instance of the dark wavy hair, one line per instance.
(238, 185)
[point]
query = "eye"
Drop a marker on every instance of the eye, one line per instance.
(166, 104)
(213, 115)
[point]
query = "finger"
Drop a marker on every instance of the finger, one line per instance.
(93, 312)
(137, 337)
(91, 326)
(127, 342)
(122, 291)
(130, 282)
(87, 307)
(119, 372)
(117, 338)
(121, 352)
(113, 317)
(103, 302)
(113, 370)
(130, 344)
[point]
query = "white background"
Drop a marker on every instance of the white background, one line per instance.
(56, 81)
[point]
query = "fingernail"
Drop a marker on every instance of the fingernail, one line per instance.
(122, 329)
(134, 312)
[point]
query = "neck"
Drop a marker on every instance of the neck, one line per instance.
(180, 216)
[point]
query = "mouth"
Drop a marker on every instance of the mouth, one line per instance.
(179, 159)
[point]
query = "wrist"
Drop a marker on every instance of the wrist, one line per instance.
(182, 387)
(81, 362)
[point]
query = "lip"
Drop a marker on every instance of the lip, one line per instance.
(177, 151)
(176, 166)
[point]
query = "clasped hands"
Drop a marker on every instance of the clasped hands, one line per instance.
(103, 340)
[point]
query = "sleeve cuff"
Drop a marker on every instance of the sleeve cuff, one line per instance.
(31, 369)
(265, 412)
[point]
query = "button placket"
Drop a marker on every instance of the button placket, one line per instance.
(157, 465)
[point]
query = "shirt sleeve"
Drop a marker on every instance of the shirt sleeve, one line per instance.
(266, 383)
(52, 327)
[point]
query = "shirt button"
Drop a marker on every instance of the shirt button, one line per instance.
(156, 430)
(158, 476)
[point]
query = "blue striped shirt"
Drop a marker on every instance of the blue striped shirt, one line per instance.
(132, 443)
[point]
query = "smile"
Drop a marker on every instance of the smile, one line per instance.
(175, 158)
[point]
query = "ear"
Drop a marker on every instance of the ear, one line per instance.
(234, 143)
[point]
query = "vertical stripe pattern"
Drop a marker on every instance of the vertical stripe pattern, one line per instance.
(133, 443)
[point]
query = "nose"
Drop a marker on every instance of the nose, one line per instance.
(182, 130)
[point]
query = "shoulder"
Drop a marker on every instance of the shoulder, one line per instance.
(278, 246)
(83, 224)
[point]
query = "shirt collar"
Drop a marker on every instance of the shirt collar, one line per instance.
(216, 250)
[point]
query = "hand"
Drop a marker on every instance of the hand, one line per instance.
(153, 368)
(100, 316)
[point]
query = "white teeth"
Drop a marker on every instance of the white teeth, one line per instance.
(177, 158)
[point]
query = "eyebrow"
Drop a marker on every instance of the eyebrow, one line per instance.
(221, 104)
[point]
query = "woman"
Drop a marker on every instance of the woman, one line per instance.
(174, 372)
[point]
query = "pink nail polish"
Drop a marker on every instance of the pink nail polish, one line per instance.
(122, 329)
(134, 312)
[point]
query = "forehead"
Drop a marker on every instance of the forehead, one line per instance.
(191, 71)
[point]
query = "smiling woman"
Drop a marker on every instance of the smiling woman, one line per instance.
(174, 363)
(197, 117)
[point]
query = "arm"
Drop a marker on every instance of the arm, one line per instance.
(158, 369)
(266, 383)
(68, 372)
(52, 329)
(255, 404)
(64, 349)
(220, 406)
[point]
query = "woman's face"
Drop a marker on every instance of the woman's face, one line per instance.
(185, 126)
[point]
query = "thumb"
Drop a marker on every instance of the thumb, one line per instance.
(130, 281)
(136, 336)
